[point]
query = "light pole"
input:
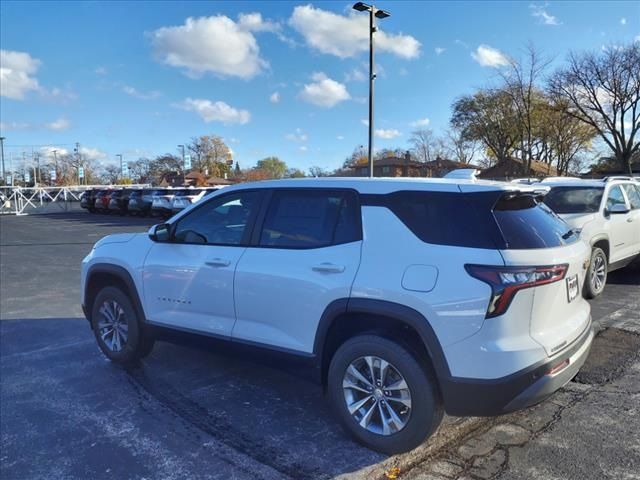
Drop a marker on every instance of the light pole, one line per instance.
(181, 147)
(373, 14)
(55, 163)
(120, 156)
(4, 177)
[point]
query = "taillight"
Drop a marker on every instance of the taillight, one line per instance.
(505, 282)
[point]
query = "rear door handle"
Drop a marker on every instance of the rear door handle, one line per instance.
(328, 268)
(218, 262)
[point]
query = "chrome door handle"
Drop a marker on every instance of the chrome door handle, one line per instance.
(218, 262)
(328, 268)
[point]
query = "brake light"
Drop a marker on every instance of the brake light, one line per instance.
(505, 282)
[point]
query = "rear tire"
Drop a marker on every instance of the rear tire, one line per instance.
(366, 388)
(596, 274)
(117, 327)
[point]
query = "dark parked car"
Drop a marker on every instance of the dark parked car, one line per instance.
(119, 201)
(87, 200)
(141, 204)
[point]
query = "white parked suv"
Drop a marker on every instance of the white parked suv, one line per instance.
(407, 297)
(606, 213)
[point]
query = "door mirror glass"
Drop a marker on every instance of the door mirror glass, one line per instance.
(160, 233)
(618, 208)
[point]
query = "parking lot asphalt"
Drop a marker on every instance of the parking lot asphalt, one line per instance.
(66, 412)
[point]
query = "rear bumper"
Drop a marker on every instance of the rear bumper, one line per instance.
(475, 397)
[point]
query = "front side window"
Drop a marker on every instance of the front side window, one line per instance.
(221, 221)
(565, 200)
(311, 219)
(633, 194)
(615, 197)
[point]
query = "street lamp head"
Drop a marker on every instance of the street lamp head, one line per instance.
(362, 7)
(382, 14)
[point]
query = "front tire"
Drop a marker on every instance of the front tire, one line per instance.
(382, 396)
(596, 274)
(117, 327)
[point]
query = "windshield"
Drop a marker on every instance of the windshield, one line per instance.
(574, 199)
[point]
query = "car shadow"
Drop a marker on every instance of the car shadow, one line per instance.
(184, 399)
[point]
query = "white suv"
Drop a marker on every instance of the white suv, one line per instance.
(406, 297)
(606, 213)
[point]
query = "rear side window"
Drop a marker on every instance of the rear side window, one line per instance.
(445, 218)
(574, 199)
(311, 219)
(527, 224)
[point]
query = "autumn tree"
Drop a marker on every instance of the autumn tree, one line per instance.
(603, 91)
(488, 117)
(210, 154)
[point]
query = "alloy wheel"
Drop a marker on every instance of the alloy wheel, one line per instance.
(598, 273)
(377, 395)
(113, 326)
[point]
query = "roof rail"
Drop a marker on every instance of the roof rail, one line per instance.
(609, 179)
(559, 179)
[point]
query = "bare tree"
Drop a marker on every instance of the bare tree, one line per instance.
(425, 147)
(521, 79)
(460, 148)
(603, 91)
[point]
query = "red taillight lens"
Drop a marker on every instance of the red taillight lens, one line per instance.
(505, 282)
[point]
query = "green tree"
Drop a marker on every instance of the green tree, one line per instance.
(274, 167)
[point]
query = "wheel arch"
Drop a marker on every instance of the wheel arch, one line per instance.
(344, 318)
(602, 242)
(102, 275)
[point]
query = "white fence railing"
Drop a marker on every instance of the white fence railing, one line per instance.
(26, 200)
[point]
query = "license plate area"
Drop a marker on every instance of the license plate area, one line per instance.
(572, 288)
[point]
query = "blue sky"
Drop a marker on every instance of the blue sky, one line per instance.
(272, 78)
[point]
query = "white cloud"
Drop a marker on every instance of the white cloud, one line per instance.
(58, 125)
(355, 75)
(364, 121)
(340, 137)
(387, 134)
(324, 92)
(214, 44)
(17, 70)
(297, 136)
(14, 126)
(637, 39)
(421, 122)
(131, 91)
(303, 148)
(439, 50)
(94, 153)
(100, 71)
(274, 97)
(623, 21)
(347, 36)
(48, 151)
(546, 18)
(489, 57)
(215, 111)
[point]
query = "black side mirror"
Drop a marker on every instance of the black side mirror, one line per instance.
(160, 233)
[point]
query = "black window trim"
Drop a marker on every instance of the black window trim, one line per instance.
(266, 202)
(251, 221)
